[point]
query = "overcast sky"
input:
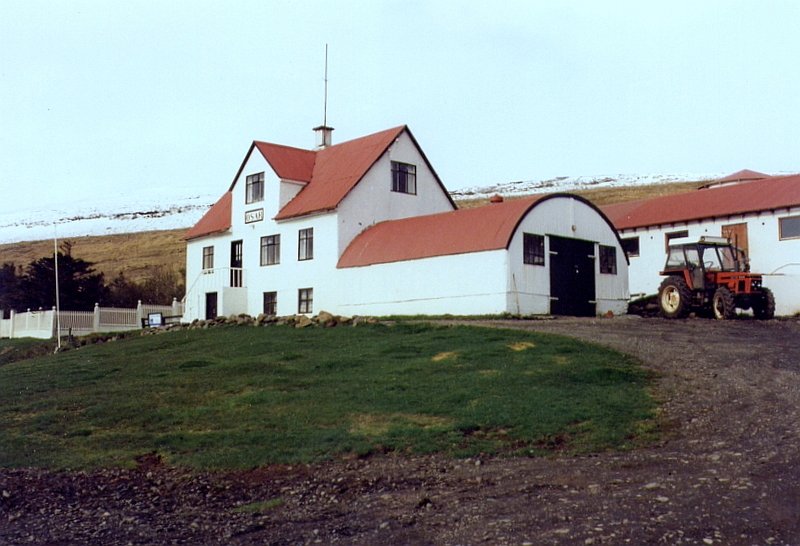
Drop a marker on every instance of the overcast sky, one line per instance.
(123, 98)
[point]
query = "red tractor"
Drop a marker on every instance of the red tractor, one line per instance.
(714, 275)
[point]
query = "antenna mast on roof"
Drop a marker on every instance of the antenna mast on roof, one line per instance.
(323, 131)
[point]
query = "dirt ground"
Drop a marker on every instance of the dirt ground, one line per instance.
(727, 471)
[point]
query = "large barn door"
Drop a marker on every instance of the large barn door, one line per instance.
(572, 288)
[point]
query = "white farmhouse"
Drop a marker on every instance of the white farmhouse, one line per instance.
(366, 227)
(758, 213)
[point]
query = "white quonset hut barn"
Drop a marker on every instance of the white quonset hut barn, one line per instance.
(758, 213)
(366, 227)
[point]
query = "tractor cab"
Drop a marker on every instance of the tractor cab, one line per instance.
(700, 262)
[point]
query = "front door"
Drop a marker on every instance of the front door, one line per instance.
(236, 264)
(211, 305)
(572, 287)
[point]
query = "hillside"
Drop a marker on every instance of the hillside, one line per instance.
(135, 253)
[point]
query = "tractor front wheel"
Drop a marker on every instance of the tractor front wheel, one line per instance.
(674, 298)
(764, 307)
(723, 305)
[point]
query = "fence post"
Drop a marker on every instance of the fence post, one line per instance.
(139, 316)
(96, 321)
(12, 317)
(176, 307)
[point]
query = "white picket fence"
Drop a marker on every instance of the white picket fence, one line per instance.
(42, 324)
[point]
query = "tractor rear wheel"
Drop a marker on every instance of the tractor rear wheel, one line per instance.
(764, 306)
(722, 304)
(674, 297)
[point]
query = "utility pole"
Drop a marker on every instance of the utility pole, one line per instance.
(58, 303)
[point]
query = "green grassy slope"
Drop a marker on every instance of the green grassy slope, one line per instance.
(242, 397)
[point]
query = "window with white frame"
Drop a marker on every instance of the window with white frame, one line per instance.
(532, 249)
(271, 303)
(254, 188)
(305, 300)
(789, 227)
(404, 177)
(271, 250)
(208, 257)
(608, 260)
(305, 244)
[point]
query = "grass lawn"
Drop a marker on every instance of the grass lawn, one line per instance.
(239, 397)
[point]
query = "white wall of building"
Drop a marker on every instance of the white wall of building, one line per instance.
(199, 282)
(778, 260)
(373, 200)
(529, 285)
(461, 284)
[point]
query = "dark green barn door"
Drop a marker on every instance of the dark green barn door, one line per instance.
(572, 288)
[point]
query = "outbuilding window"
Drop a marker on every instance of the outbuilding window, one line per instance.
(305, 300)
(254, 190)
(271, 303)
(305, 244)
(789, 227)
(533, 249)
(271, 250)
(631, 246)
(208, 257)
(608, 260)
(404, 177)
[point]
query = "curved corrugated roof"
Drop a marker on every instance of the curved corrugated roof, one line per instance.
(216, 220)
(769, 194)
(462, 231)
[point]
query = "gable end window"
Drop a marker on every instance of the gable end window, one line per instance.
(271, 303)
(305, 300)
(208, 257)
(305, 244)
(608, 260)
(271, 250)
(789, 227)
(404, 177)
(254, 190)
(532, 249)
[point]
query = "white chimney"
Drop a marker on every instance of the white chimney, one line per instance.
(324, 134)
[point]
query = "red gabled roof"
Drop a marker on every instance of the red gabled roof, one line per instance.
(745, 175)
(768, 194)
(216, 220)
(337, 170)
(287, 162)
(478, 229)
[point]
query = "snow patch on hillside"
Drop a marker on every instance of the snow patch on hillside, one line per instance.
(573, 183)
(181, 207)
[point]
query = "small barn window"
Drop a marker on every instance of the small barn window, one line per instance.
(608, 260)
(254, 190)
(630, 246)
(533, 249)
(271, 250)
(208, 257)
(271, 303)
(305, 244)
(404, 177)
(305, 300)
(789, 227)
(668, 237)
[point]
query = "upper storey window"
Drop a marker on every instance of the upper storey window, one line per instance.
(404, 177)
(254, 191)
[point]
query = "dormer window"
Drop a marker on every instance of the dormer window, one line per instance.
(404, 178)
(254, 190)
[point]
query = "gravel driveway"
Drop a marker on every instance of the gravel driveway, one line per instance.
(727, 471)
